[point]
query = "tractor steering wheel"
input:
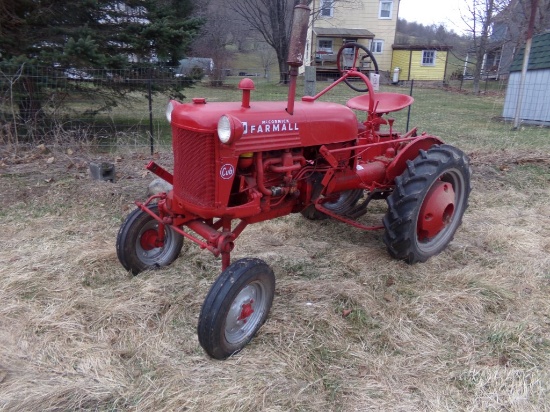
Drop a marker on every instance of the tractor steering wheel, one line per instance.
(348, 57)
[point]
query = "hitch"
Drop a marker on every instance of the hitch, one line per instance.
(160, 172)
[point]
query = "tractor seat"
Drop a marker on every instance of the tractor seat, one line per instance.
(383, 102)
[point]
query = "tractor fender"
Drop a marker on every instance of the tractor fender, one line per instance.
(410, 152)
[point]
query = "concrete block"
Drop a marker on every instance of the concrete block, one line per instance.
(102, 171)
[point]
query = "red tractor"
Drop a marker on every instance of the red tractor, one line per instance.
(246, 162)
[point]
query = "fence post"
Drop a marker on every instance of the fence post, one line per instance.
(150, 98)
(409, 109)
(310, 74)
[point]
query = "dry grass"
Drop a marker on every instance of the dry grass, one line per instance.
(468, 330)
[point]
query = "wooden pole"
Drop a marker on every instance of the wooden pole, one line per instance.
(529, 36)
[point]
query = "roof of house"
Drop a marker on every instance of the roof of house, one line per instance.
(420, 47)
(334, 32)
(539, 58)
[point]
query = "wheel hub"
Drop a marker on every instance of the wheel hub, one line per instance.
(436, 211)
(148, 240)
(246, 311)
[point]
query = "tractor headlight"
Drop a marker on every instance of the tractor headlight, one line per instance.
(224, 129)
(229, 129)
(169, 109)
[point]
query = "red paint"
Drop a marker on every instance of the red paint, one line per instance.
(267, 169)
(436, 211)
(148, 240)
(246, 85)
(246, 311)
(383, 102)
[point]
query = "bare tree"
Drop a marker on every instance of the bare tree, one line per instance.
(517, 15)
(213, 40)
(232, 22)
(509, 19)
(222, 28)
(479, 19)
(520, 10)
(267, 56)
(273, 20)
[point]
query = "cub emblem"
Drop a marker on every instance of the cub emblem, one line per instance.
(227, 171)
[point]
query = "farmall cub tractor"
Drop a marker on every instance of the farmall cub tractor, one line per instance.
(246, 162)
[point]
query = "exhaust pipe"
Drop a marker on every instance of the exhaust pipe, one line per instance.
(298, 38)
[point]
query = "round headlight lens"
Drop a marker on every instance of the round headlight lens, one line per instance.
(169, 109)
(224, 129)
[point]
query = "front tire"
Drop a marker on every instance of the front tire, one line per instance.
(427, 204)
(236, 306)
(135, 244)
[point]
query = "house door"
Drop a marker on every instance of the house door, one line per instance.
(348, 55)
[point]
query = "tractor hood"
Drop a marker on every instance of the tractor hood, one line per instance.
(268, 126)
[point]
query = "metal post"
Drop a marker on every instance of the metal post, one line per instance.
(409, 108)
(150, 98)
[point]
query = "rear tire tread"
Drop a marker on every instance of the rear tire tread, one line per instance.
(410, 190)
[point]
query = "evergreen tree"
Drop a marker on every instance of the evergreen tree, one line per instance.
(95, 33)
(87, 34)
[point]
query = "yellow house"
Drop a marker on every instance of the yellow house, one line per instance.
(420, 62)
(371, 23)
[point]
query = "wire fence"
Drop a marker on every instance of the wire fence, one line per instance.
(105, 107)
(112, 108)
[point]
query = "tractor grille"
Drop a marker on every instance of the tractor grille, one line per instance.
(194, 166)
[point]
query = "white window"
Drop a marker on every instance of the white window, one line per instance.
(325, 46)
(377, 46)
(385, 10)
(327, 8)
(428, 58)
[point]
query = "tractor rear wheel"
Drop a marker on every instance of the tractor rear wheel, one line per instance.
(427, 204)
(236, 306)
(340, 203)
(135, 243)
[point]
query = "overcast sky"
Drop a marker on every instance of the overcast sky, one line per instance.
(429, 12)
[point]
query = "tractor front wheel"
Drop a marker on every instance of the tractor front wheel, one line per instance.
(426, 206)
(236, 306)
(137, 245)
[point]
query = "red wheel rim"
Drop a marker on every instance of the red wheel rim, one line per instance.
(436, 211)
(246, 311)
(148, 240)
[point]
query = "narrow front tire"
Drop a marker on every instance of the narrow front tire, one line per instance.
(136, 242)
(235, 308)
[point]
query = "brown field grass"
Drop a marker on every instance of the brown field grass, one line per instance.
(467, 330)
